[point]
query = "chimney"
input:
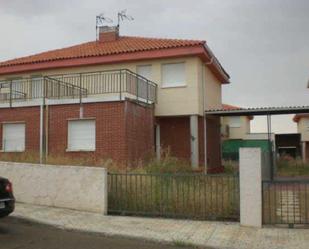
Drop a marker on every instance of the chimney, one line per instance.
(107, 33)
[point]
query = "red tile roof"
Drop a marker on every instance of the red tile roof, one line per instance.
(122, 45)
(232, 107)
(297, 117)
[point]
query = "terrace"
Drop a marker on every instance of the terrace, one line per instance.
(102, 85)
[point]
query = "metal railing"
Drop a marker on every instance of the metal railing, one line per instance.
(55, 89)
(286, 202)
(124, 83)
(194, 196)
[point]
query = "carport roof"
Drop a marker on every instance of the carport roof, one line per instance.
(262, 111)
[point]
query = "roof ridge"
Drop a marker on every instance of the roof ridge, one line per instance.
(164, 38)
(41, 53)
(125, 44)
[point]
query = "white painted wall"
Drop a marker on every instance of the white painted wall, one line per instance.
(172, 101)
(73, 187)
(250, 182)
(236, 132)
(303, 128)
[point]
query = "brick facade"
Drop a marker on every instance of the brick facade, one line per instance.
(124, 130)
(175, 135)
(28, 115)
(213, 132)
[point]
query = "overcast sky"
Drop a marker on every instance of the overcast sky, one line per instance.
(263, 44)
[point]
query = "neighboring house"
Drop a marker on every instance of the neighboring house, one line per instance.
(302, 121)
(236, 133)
(119, 97)
(288, 145)
(235, 127)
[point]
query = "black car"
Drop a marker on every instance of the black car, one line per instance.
(7, 200)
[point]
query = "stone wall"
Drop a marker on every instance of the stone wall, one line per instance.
(73, 187)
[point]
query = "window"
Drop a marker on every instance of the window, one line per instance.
(81, 135)
(173, 75)
(36, 87)
(234, 122)
(145, 71)
(13, 137)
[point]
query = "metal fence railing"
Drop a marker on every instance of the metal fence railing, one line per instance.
(195, 196)
(286, 202)
(123, 82)
(113, 81)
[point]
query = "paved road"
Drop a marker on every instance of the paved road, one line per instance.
(21, 234)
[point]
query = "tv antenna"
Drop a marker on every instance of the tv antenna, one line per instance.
(101, 19)
(122, 15)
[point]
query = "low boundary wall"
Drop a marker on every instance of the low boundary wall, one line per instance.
(73, 187)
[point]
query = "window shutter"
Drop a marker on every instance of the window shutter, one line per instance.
(173, 75)
(13, 137)
(81, 135)
(145, 71)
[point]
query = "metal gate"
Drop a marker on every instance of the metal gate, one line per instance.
(194, 196)
(286, 202)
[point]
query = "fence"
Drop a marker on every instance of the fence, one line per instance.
(80, 85)
(195, 196)
(286, 202)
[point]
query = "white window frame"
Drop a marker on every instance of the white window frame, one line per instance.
(23, 139)
(232, 123)
(92, 147)
(181, 83)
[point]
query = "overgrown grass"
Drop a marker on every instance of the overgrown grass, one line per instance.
(175, 195)
(230, 167)
(292, 167)
(167, 163)
(33, 157)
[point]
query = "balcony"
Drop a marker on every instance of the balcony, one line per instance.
(118, 84)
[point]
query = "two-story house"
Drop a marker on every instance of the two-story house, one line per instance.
(118, 97)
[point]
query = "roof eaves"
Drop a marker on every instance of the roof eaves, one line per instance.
(219, 66)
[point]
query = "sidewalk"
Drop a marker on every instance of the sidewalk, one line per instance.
(210, 234)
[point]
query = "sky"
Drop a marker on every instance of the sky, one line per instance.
(262, 44)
